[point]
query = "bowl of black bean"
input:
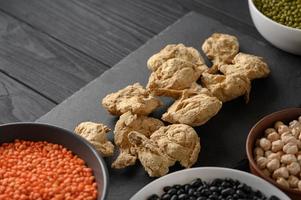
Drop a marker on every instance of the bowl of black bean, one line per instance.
(209, 183)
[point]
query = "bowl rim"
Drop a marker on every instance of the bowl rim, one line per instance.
(210, 168)
(249, 150)
(71, 133)
(251, 3)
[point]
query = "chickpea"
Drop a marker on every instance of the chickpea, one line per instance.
(294, 123)
(267, 153)
(275, 155)
(268, 131)
(290, 148)
(258, 151)
(283, 182)
(296, 132)
(273, 165)
(288, 133)
(265, 144)
(262, 162)
(277, 124)
(299, 156)
(277, 145)
(281, 172)
(293, 168)
(290, 138)
(282, 129)
(273, 136)
(299, 144)
(299, 137)
(299, 185)
(299, 119)
(293, 181)
(288, 158)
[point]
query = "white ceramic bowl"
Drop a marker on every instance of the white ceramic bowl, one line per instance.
(208, 174)
(283, 37)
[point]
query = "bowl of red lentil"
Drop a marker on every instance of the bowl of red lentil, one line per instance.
(260, 133)
(279, 22)
(41, 161)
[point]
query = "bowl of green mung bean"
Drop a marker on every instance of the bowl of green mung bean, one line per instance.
(279, 22)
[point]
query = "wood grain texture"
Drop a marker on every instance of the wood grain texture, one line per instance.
(106, 30)
(19, 103)
(42, 63)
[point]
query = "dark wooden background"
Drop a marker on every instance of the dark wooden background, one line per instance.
(51, 48)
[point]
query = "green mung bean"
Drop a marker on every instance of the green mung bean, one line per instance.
(286, 12)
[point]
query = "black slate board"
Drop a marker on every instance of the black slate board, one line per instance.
(223, 137)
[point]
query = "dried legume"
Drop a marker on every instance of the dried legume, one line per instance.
(286, 12)
(215, 190)
(41, 170)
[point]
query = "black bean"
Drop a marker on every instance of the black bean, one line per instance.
(166, 188)
(241, 193)
(206, 192)
(227, 191)
(180, 191)
(197, 194)
(182, 196)
(192, 198)
(177, 186)
(174, 197)
(196, 183)
(274, 198)
(186, 187)
(213, 189)
(172, 191)
(213, 197)
(165, 197)
(153, 197)
(190, 192)
(201, 198)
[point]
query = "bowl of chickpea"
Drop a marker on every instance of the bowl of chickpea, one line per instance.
(41, 161)
(274, 150)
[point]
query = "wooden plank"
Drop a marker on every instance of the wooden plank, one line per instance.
(94, 27)
(42, 63)
(19, 103)
(238, 9)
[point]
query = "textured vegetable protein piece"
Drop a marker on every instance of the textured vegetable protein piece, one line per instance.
(131, 122)
(132, 98)
(220, 48)
(96, 134)
(178, 141)
(253, 67)
(172, 77)
(180, 51)
(153, 159)
(227, 87)
(193, 109)
(42, 170)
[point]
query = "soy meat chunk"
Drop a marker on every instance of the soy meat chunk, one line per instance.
(220, 48)
(96, 134)
(153, 159)
(132, 98)
(228, 87)
(172, 77)
(247, 65)
(131, 122)
(180, 51)
(180, 142)
(193, 109)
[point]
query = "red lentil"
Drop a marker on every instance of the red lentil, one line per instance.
(41, 170)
